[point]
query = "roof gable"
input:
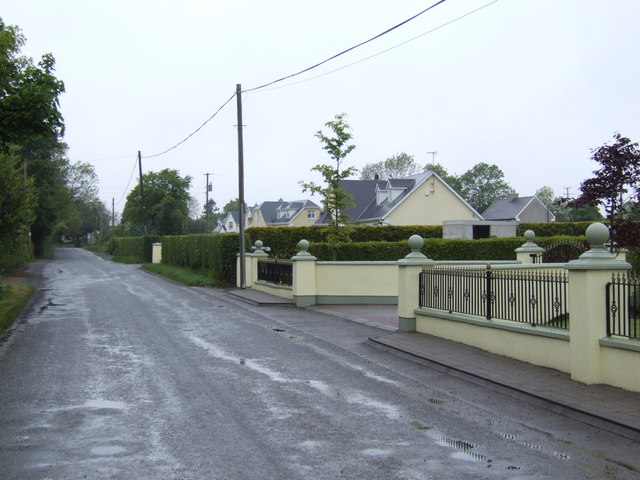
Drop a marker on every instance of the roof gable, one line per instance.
(510, 208)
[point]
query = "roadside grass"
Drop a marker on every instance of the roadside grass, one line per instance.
(102, 247)
(126, 259)
(185, 276)
(13, 299)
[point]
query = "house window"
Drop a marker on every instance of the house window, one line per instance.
(311, 214)
(230, 225)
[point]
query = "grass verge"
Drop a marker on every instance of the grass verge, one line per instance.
(12, 300)
(125, 259)
(185, 276)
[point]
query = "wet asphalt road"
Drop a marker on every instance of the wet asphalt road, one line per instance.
(116, 373)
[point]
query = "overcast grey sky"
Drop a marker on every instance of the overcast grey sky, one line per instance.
(529, 85)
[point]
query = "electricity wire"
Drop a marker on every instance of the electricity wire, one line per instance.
(129, 182)
(295, 75)
(383, 51)
(347, 50)
(194, 132)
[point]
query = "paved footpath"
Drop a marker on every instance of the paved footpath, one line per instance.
(603, 406)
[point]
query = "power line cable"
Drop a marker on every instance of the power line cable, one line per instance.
(296, 74)
(347, 50)
(194, 132)
(383, 51)
(135, 164)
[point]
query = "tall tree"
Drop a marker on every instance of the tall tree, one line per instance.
(231, 206)
(334, 198)
(31, 127)
(166, 196)
(397, 166)
(482, 185)
(613, 185)
(29, 105)
(87, 214)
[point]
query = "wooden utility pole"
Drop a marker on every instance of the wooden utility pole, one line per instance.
(143, 212)
(206, 202)
(243, 282)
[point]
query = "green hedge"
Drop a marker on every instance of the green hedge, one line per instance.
(283, 240)
(136, 247)
(434, 248)
(213, 254)
(554, 229)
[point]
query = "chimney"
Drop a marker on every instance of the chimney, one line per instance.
(512, 196)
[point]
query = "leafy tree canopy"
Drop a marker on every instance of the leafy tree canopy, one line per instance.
(482, 185)
(29, 105)
(397, 166)
(166, 196)
(613, 186)
(231, 206)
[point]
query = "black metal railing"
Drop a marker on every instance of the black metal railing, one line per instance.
(279, 272)
(623, 305)
(536, 298)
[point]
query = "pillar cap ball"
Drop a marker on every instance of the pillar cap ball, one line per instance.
(303, 245)
(415, 242)
(529, 236)
(597, 234)
(258, 244)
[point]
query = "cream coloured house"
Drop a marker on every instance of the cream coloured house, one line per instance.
(422, 199)
(281, 213)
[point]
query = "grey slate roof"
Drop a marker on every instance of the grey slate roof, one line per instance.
(269, 210)
(507, 209)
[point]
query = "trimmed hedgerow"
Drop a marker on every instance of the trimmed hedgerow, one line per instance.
(554, 229)
(134, 247)
(283, 241)
(213, 254)
(434, 248)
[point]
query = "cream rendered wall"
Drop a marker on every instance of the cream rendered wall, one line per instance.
(301, 219)
(357, 279)
(538, 350)
(440, 204)
(621, 368)
(257, 220)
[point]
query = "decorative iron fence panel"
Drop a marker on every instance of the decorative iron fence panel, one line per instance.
(536, 298)
(623, 305)
(563, 251)
(278, 272)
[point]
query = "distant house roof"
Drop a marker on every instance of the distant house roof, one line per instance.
(512, 208)
(375, 199)
(282, 212)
